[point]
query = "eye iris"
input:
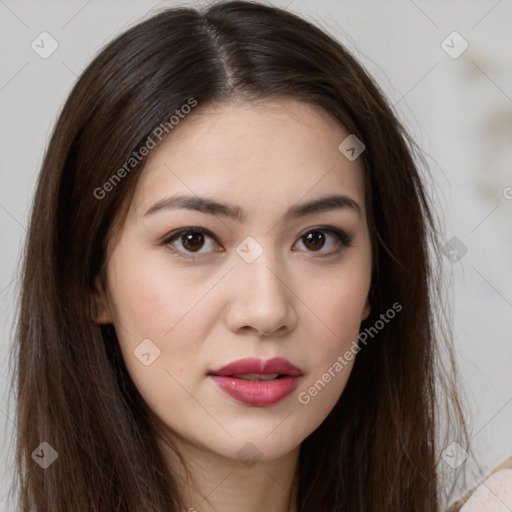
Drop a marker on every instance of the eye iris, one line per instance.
(316, 238)
(191, 239)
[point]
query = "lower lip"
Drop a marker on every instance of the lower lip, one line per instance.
(257, 393)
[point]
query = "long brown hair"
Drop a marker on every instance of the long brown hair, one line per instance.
(378, 450)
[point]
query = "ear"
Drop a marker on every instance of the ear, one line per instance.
(102, 311)
(367, 308)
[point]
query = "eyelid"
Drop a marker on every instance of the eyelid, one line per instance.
(342, 237)
(175, 233)
(341, 234)
(178, 232)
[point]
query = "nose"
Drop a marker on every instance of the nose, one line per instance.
(261, 299)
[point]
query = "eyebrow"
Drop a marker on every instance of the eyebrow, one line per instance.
(212, 207)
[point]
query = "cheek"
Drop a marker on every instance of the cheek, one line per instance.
(161, 323)
(153, 300)
(335, 322)
(338, 305)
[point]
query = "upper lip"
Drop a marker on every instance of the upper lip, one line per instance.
(259, 366)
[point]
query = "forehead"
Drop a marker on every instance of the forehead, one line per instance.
(262, 156)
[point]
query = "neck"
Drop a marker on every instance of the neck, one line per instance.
(213, 483)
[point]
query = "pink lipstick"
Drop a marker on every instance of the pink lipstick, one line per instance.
(256, 382)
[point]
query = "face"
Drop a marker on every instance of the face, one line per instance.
(232, 308)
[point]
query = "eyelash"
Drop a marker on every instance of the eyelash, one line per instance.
(342, 237)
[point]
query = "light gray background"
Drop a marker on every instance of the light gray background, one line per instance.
(459, 110)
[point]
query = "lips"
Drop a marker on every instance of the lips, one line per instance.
(257, 376)
(277, 365)
(256, 382)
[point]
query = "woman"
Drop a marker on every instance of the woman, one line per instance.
(229, 300)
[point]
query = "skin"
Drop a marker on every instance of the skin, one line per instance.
(204, 313)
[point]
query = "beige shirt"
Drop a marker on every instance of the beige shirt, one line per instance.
(493, 494)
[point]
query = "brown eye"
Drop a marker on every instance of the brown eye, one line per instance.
(189, 241)
(314, 240)
(193, 241)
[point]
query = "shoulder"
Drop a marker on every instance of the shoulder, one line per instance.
(494, 494)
